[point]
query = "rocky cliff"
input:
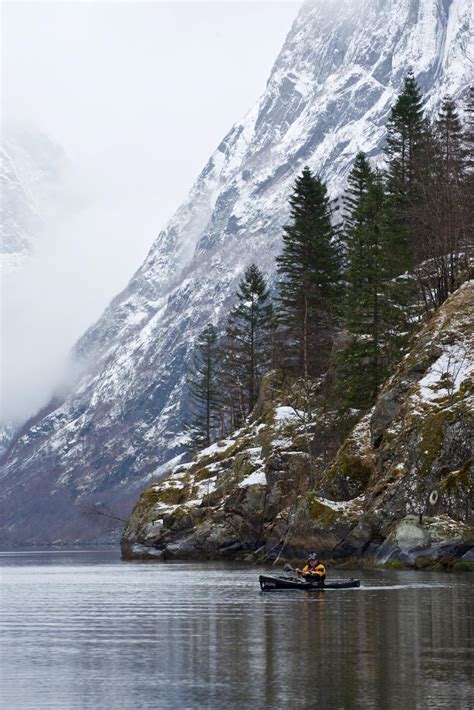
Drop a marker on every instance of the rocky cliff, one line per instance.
(266, 492)
(328, 96)
(31, 167)
(31, 170)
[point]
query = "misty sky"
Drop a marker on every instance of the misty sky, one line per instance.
(138, 94)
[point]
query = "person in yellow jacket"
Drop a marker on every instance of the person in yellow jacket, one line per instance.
(314, 569)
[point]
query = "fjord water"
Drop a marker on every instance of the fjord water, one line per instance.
(81, 629)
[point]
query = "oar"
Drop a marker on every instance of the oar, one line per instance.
(291, 570)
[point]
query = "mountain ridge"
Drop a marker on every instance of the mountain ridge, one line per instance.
(325, 99)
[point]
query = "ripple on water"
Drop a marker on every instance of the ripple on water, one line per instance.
(83, 630)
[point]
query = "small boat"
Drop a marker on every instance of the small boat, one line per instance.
(270, 584)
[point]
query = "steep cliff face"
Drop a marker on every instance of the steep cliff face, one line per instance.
(328, 96)
(30, 169)
(263, 492)
(414, 453)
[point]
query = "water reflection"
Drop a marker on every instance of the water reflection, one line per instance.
(86, 631)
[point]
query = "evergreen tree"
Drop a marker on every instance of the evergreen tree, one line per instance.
(247, 344)
(449, 132)
(355, 214)
(439, 217)
(360, 365)
(309, 275)
(469, 135)
(451, 196)
(204, 391)
(469, 183)
(407, 137)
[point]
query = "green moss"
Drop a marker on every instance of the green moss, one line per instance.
(204, 474)
(424, 562)
(432, 439)
(220, 455)
(466, 388)
(350, 466)
(320, 513)
(265, 439)
(173, 518)
(243, 465)
(170, 496)
(442, 564)
(457, 478)
(151, 496)
(395, 564)
(269, 416)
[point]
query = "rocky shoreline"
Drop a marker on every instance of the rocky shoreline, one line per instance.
(399, 491)
(413, 545)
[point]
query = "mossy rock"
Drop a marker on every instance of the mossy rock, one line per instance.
(265, 438)
(422, 562)
(349, 475)
(459, 478)
(174, 519)
(220, 454)
(321, 514)
(151, 496)
(300, 442)
(203, 474)
(210, 500)
(170, 495)
(395, 564)
(463, 566)
(148, 499)
(432, 439)
(269, 392)
(466, 388)
(243, 465)
(447, 562)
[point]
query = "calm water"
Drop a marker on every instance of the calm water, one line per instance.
(84, 630)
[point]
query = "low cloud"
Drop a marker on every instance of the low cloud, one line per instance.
(138, 95)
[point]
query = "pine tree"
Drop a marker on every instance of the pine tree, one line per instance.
(360, 366)
(355, 216)
(247, 343)
(309, 275)
(204, 391)
(451, 198)
(407, 137)
(449, 132)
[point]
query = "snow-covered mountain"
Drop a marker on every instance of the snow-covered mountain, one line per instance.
(30, 170)
(328, 96)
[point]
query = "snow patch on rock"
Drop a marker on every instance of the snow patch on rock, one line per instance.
(257, 478)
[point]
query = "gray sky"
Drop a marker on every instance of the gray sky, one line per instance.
(138, 94)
